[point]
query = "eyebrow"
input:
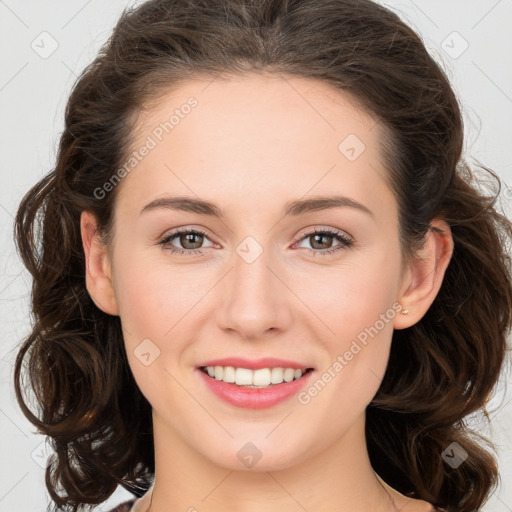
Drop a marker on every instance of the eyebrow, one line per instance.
(294, 208)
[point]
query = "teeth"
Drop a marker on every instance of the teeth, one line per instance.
(228, 374)
(262, 378)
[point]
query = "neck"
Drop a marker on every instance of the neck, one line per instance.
(338, 478)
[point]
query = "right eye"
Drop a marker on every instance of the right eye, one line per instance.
(185, 237)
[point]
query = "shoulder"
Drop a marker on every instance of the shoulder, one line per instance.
(423, 506)
(402, 501)
(413, 504)
(125, 506)
(428, 507)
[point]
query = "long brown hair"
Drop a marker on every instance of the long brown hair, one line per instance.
(440, 370)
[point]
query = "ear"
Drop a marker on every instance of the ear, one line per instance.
(425, 274)
(98, 275)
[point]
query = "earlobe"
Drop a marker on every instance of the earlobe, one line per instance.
(98, 276)
(425, 275)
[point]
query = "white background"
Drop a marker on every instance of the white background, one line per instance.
(33, 94)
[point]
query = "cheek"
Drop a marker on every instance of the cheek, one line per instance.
(352, 295)
(150, 309)
(144, 318)
(148, 294)
(158, 306)
(356, 305)
(141, 303)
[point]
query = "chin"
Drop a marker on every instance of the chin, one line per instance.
(257, 454)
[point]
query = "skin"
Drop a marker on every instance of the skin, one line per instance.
(252, 144)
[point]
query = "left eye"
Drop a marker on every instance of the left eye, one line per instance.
(191, 241)
(319, 237)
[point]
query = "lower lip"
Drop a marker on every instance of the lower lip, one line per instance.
(251, 398)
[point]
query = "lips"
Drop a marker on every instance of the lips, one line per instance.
(243, 397)
(256, 364)
(239, 395)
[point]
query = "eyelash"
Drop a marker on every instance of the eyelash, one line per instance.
(345, 242)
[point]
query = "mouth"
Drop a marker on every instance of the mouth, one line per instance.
(257, 388)
(261, 378)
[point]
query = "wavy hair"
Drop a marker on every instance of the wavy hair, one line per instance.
(440, 370)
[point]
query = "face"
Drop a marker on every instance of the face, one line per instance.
(256, 280)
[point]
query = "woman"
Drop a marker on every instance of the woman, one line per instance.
(264, 278)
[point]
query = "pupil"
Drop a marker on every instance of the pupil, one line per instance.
(315, 237)
(189, 238)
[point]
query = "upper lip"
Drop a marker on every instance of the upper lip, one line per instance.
(255, 364)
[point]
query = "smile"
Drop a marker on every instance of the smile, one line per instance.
(254, 379)
(254, 389)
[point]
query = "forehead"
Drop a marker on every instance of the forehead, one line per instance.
(260, 108)
(247, 136)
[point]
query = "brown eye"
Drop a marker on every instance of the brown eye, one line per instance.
(321, 241)
(195, 240)
(190, 240)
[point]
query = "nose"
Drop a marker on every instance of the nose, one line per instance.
(255, 300)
